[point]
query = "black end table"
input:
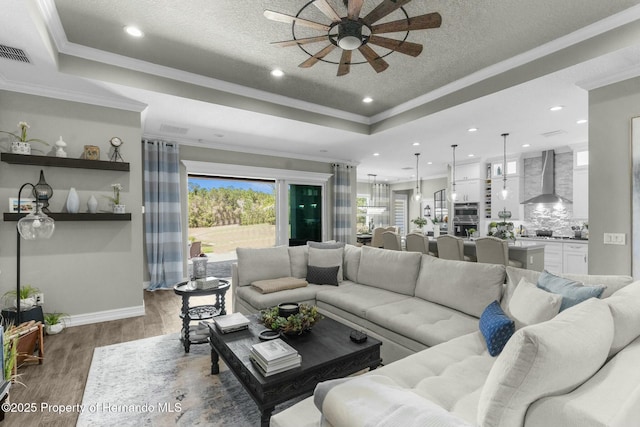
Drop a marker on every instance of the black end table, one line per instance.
(199, 312)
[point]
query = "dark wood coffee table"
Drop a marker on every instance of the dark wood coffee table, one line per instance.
(327, 353)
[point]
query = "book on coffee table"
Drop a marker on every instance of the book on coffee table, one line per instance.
(231, 322)
(272, 357)
(275, 368)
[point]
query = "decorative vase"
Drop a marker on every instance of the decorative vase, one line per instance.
(53, 329)
(73, 201)
(92, 204)
(60, 144)
(119, 209)
(25, 303)
(18, 147)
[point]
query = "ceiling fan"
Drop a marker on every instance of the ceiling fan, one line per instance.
(352, 32)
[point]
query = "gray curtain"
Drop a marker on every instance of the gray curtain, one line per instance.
(162, 220)
(342, 226)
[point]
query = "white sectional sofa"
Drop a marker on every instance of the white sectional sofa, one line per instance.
(579, 368)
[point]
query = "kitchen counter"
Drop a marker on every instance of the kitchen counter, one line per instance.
(530, 254)
(552, 239)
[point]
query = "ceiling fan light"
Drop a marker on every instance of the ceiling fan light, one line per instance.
(349, 42)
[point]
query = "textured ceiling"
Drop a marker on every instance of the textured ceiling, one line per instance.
(229, 40)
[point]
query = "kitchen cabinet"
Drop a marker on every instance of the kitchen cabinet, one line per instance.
(467, 171)
(553, 259)
(468, 191)
(575, 258)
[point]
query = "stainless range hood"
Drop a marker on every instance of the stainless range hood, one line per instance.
(548, 190)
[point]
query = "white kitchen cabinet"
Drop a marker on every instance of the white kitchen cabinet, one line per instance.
(553, 260)
(581, 193)
(468, 191)
(513, 198)
(575, 258)
(467, 171)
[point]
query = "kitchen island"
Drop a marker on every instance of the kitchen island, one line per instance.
(529, 253)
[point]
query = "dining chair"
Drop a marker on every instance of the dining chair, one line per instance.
(376, 237)
(391, 241)
(451, 247)
(492, 250)
(418, 242)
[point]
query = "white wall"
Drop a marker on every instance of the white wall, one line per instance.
(86, 267)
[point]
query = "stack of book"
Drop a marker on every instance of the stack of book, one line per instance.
(231, 322)
(272, 357)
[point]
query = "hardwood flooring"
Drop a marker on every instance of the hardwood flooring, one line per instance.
(61, 378)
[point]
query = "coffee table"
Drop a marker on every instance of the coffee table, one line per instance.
(327, 353)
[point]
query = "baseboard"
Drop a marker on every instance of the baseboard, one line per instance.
(105, 316)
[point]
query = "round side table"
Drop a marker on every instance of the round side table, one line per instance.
(200, 312)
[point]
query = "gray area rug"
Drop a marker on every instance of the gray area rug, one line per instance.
(152, 382)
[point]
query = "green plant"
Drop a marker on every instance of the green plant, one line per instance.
(10, 348)
(472, 230)
(295, 323)
(26, 291)
(22, 136)
(420, 222)
(116, 193)
(55, 318)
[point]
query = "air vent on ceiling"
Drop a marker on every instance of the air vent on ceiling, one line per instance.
(14, 54)
(173, 129)
(553, 133)
(407, 168)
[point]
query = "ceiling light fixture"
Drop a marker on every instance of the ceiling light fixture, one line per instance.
(471, 155)
(276, 72)
(526, 145)
(367, 100)
(454, 196)
(376, 154)
(415, 144)
(581, 121)
(505, 193)
(429, 163)
(133, 31)
(556, 108)
(472, 130)
(417, 196)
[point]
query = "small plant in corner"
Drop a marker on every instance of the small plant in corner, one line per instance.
(54, 323)
(28, 295)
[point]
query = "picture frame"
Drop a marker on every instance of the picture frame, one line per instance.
(27, 204)
(635, 195)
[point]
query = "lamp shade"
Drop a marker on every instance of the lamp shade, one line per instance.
(36, 225)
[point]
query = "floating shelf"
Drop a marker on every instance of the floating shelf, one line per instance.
(64, 162)
(63, 216)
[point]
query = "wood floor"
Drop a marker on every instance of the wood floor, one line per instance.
(61, 379)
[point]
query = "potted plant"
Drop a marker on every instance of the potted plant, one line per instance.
(28, 297)
(54, 323)
(117, 207)
(294, 324)
(22, 144)
(420, 222)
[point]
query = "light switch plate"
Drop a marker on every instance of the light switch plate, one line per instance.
(615, 239)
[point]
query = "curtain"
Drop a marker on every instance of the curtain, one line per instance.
(342, 226)
(162, 221)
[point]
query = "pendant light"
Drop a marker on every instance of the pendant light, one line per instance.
(454, 196)
(417, 196)
(505, 193)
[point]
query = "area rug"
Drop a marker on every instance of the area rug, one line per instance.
(152, 382)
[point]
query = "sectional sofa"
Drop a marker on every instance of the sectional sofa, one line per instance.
(576, 368)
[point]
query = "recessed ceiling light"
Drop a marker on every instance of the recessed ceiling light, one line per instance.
(429, 163)
(556, 108)
(526, 145)
(376, 154)
(415, 144)
(133, 31)
(470, 155)
(472, 130)
(277, 72)
(581, 121)
(367, 99)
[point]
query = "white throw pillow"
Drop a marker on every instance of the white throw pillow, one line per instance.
(262, 263)
(299, 256)
(625, 309)
(530, 305)
(327, 258)
(545, 359)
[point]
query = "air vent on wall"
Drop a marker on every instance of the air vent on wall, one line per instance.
(14, 54)
(553, 133)
(173, 129)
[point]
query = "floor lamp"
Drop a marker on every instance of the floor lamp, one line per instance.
(33, 226)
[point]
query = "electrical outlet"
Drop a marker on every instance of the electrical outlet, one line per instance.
(615, 239)
(40, 298)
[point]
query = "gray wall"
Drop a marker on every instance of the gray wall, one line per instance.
(86, 267)
(610, 111)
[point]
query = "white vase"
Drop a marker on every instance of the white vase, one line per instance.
(18, 147)
(53, 329)
(119, 209)
(73, 201)
(25, 303)
(92, 204)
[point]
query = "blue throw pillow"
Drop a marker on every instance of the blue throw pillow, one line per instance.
(496, 327)
(572, 292)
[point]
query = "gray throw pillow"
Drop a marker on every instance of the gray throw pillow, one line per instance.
(325, 245)
(322, 275)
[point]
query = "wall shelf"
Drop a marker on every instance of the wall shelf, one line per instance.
(63, 216)
(64, 162)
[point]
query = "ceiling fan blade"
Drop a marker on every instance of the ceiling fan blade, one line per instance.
(373, 58)
(317, 57)
(383, 9)
(281, 17)
(306, 40)
(345, 62)
(408, 48)
(355, 6)
(422, 22)
(328, 10)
